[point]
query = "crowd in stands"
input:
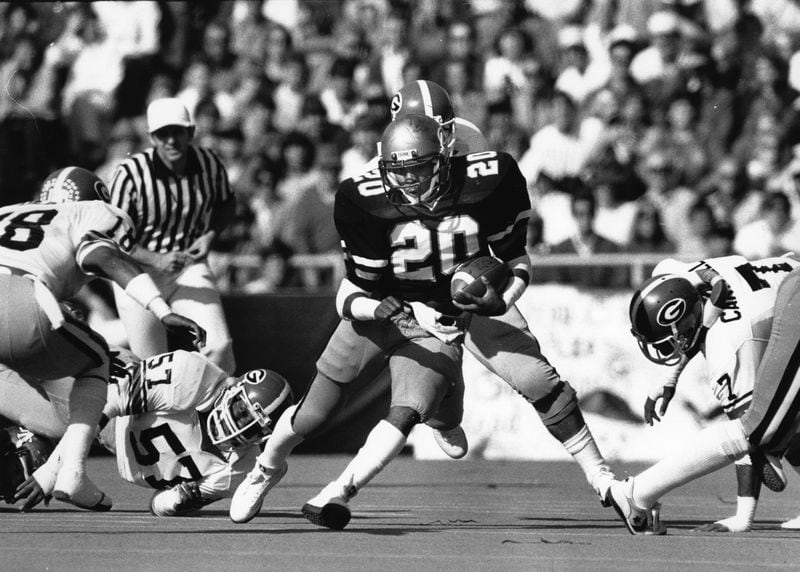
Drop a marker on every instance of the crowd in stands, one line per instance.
(668, 126)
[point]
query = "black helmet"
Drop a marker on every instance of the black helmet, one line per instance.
(666, 315)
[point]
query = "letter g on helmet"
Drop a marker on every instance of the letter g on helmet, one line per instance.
(671, 312)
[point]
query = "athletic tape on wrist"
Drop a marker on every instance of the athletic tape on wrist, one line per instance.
(142, 289)
(159, 307)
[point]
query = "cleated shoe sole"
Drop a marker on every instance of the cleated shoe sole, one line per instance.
(332, 515)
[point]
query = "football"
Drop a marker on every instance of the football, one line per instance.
(467, 277)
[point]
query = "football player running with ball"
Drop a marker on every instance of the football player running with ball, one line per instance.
(742, 315)
(181, 425)
(405, 228)
(49, 250)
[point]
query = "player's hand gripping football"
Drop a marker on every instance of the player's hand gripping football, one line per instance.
(32, 492)
(187, 333)
(490, 304)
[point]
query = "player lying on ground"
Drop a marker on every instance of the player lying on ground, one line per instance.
(182, 426)
(742, 315)
(49, 250)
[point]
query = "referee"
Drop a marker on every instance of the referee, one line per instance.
(179, 198)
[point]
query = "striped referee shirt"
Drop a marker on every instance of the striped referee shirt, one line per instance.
(170, 212)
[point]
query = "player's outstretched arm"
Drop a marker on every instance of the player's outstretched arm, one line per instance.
(108, 261)
(663, 393)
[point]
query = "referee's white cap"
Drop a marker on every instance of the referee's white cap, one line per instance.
(167, 111)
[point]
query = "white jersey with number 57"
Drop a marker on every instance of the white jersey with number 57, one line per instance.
(49, 241)
(736, 341)
(160, 436)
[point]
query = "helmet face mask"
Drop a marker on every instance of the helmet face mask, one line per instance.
(72, 184)
(246, 412)
(427, 98)
(413, 163)
(666, 315)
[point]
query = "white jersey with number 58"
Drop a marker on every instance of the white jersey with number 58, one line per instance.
(49, 241)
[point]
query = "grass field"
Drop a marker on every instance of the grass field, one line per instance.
(417, 515)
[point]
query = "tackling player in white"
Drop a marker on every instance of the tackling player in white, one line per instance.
(725, 308)
(48, 251)
(181, 426)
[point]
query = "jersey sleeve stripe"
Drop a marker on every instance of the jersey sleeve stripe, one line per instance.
(370, 262)
(370, 276)
(522, 216)
(137, 393)
(86, 340)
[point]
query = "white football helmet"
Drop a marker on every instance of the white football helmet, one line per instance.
(245, 412)
(72, 184)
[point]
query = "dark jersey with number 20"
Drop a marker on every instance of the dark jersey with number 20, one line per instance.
(412, 252)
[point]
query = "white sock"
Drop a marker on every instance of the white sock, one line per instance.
(46, 474)
(86, 401)
(282, 441)
(746, 509)
(383, 444)
(583, 449)
(709, 450)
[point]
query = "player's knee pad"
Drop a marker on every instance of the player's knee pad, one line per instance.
(404, 418)
(731, 438)
(557, 405)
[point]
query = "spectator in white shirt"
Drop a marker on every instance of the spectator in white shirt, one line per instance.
(563, 147)
(661, 57)
(776, 233)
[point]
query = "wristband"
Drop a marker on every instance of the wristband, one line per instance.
(363, 308)
(514, 291)
(142, 289)
(159, 307)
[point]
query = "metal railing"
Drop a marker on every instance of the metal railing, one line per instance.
(639, 265)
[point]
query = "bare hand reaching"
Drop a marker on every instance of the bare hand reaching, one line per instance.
(32, 492)
(187, 333)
